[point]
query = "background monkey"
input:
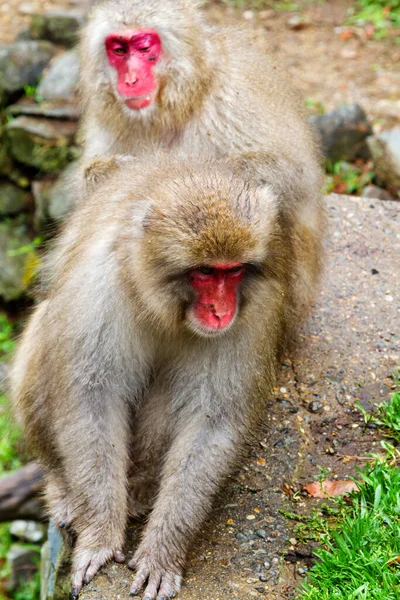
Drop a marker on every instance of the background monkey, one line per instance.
(153, 351)
(155, 73)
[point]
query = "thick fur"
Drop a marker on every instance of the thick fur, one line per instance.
(126, 405)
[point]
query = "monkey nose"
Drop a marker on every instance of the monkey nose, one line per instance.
(131, 78)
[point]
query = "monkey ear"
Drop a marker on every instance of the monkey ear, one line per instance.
(101, 168)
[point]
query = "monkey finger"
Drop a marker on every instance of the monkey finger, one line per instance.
(119, 557)
(100, 558)
(170, 586)
(139, 581)
(150, 592)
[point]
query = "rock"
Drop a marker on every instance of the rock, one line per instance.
(19, 260)
(5, 160)
(385, 151)
(248, 15)
(55, 567)
(58, 26)
(23, 36)
(297, 22)
(375, 192)
(12, 198)
(61, 79)
(53, 199)
(24, 563)
(262, 533)
(28, 531)
(315, 406)
(21, 64)
(41, 143)
(343, 132)
(60, 109)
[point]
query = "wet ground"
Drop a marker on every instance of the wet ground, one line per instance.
(348, 354)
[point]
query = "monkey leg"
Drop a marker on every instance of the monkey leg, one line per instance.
(197, 461)
(57, 496)
(151, 439)
(94, 445)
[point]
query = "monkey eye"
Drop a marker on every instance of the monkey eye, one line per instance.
(206, 270)
(236, 269)
(145, 49)
(120, 51)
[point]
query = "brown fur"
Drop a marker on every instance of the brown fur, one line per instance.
(116, 386)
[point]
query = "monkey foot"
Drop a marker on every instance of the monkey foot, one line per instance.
(162, 584)
(86, 564)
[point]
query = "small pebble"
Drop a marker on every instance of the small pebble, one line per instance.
(267, 565)
(250, 517)
(240, 537)
(315, 406)
(248, 15)
(262, 533)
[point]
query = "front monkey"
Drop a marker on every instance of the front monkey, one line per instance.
(136, 379)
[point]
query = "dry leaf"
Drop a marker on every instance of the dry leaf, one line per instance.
(324, 489)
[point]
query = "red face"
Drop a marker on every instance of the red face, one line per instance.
(216, 288)
(133, 55)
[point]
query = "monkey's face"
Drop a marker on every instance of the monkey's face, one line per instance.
(216, 297)
(133, 55)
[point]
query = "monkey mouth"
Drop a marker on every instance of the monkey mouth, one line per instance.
(139, 102)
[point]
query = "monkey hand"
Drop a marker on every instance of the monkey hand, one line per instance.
(163, 582)
(87, 561)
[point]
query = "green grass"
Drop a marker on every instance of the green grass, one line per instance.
(386, 415)
(382, 14)
(346, 178)
(359, 554)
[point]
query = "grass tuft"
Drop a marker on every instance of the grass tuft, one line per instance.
(359, 557)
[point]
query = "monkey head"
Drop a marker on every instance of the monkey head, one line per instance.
(151, 58)
(205, 248)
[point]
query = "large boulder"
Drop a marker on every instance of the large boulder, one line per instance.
(385, 151)
(59, 109)
(59, 26)
(22, 63)
(24, 563)
(12, 199)
(61, 79)
(53, 199)
(19, 260)
(343, 132)
(41, 143)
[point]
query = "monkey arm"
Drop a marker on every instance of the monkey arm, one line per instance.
(196, 464)
(95, 443)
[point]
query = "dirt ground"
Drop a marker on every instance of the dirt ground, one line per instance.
(328, 62)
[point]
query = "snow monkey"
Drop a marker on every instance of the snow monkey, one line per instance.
(144, 371)
(155, 73)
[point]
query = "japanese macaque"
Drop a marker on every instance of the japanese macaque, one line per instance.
(155, 73)
(144, 371)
